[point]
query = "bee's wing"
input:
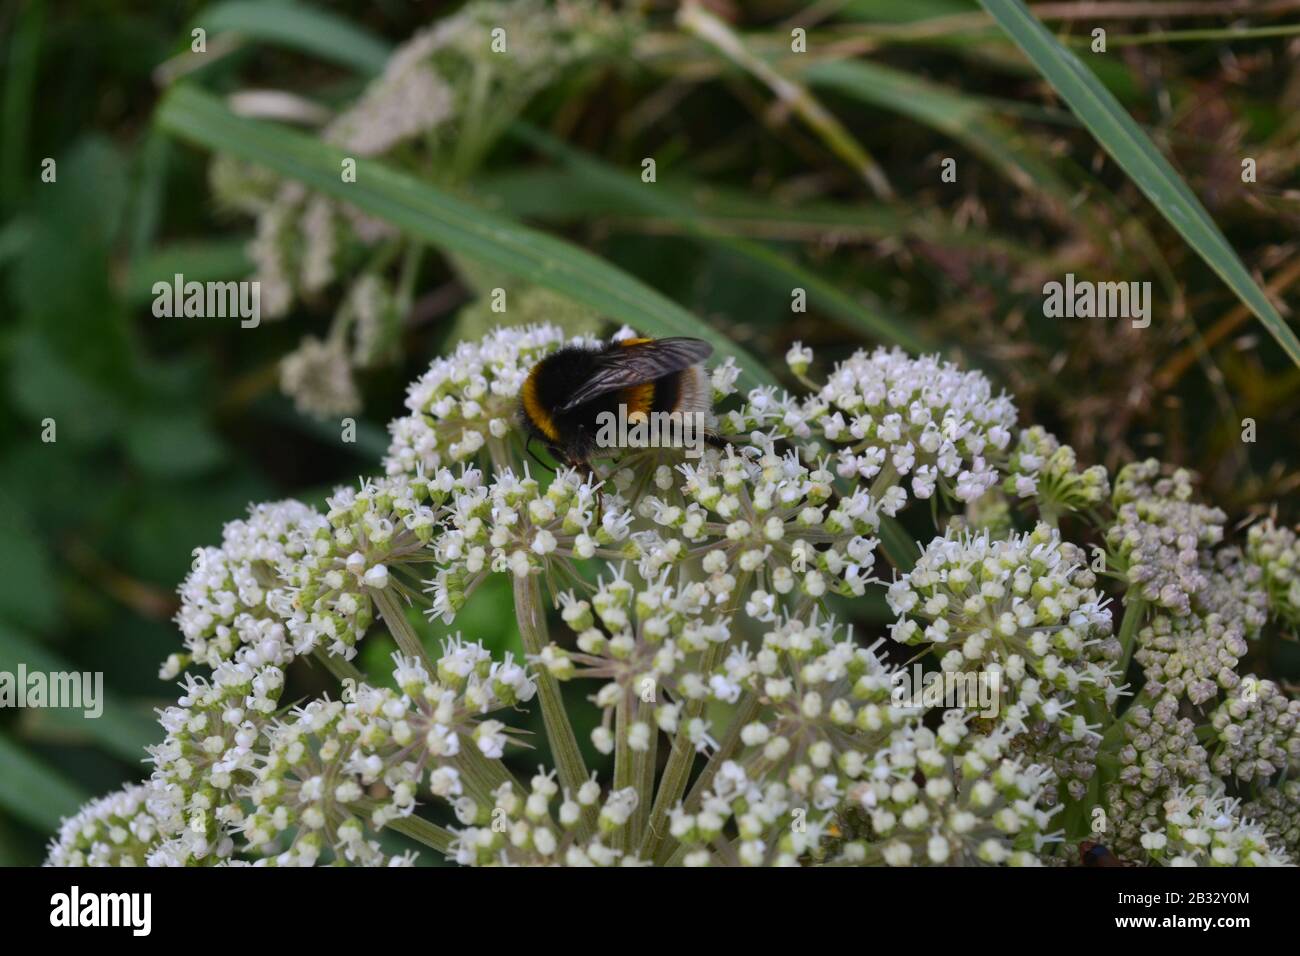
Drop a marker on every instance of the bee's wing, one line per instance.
(636, 364)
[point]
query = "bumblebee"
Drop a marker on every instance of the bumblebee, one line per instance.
(568, 391)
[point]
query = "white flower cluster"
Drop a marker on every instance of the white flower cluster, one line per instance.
(1023, 607)
(1259, 730)
(1040, 467)
(1277, 811)
(289, 580)
(698, 599)
(891, 417)
(520, 829)
(949, 796)
(234, 783)
(1202, 827)
(324, 760)
(466, 400)
(1159, 533)
(114, 830)
(766, 516)
(1158, 751)
(512, 526)
(1276, 550)
(319, 377)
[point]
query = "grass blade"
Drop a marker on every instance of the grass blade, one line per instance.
(302, 28)
(1124, 140)
(441, 220)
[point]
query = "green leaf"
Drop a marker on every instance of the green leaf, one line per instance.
(765, 264)
(431, 215)
(34, 792)
(301, 28)
(43, 385)
(1124, 140)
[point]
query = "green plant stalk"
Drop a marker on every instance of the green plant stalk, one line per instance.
(484, 776)
(670, 852)
(407, 640)
(1134, 610)
(417, 828)
(340, 669)
(643, 776)
(746, 711)
(624, 774)
(678, 768)
(531, 617)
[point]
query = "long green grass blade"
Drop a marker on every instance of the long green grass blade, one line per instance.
(299, 27)
(1124, 140)
(427, 213)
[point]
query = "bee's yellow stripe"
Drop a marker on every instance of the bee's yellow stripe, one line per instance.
(536, 411)
(639, 399)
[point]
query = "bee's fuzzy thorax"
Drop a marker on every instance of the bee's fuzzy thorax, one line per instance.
(560, 406)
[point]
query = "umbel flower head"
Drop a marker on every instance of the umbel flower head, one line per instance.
(710, 610)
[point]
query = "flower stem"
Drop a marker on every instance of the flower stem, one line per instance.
(643, 775)
(624, 775)
(678, 769)
(407, 640)
(745, 713)
(417, 828)
(1134, 611)
(559, 731)
(340, 668)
